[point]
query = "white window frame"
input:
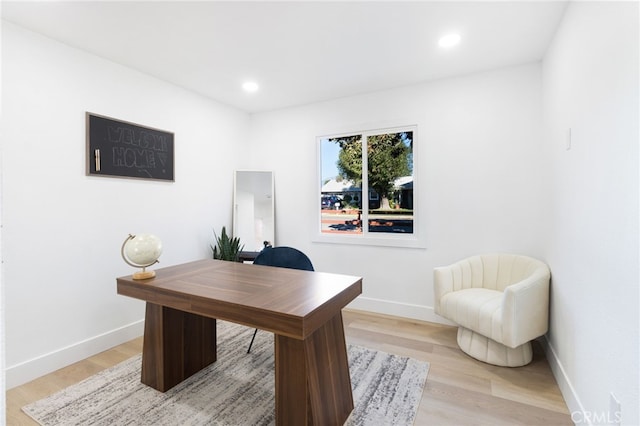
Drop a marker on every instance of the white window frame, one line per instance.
(414, 240)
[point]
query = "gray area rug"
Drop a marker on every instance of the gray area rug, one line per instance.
(238, 389)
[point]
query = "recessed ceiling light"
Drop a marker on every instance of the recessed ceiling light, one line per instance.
(250, 86)
(449, 40)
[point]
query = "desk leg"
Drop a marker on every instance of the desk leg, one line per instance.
(313, 386)
(176, 345)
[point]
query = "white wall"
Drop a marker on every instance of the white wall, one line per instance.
(590, 80)
(479, 166)
(62, 230)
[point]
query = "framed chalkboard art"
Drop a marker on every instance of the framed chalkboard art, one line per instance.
(123, 149)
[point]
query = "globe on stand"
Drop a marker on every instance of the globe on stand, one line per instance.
(141, 251)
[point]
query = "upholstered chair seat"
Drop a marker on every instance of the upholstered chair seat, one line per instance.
(499, 301)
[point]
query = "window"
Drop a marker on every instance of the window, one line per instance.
(367, 184)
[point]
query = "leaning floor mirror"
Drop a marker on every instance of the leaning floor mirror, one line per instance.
(253, 209)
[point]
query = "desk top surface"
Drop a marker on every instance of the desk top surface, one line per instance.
(285, 301)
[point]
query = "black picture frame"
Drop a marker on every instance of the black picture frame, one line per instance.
(117, 148)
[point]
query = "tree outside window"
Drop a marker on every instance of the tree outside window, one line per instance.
(379, 200)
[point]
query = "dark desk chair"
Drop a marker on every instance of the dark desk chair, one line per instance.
(283, 257)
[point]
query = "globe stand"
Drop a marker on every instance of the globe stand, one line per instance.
(144, 274)
(140, 275)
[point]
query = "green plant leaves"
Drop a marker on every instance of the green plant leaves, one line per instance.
(226, 248)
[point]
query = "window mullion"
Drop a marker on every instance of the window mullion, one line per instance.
(365, 186)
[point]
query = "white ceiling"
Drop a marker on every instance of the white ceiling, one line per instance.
(299, 52)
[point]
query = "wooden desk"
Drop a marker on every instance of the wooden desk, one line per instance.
(302, 309)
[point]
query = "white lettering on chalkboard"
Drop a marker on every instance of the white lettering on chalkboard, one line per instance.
(134, 157)
(141, 138)
(140, 148)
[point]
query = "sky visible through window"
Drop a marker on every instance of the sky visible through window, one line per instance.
(329, 151)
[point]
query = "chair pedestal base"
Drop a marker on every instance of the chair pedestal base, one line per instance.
(487, 350)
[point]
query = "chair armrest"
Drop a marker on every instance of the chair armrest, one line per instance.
(442, 284)
(525, 309)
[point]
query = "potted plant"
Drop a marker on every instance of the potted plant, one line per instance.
(226, 248)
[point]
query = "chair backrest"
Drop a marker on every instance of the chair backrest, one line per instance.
(495, 271)
(284, 257)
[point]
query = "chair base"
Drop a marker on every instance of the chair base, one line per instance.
(487, 350)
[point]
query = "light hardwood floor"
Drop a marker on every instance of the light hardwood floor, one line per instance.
(459, 389)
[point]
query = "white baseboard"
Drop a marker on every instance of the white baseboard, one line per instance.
(566, 388)
(397, 309)
(26, 371)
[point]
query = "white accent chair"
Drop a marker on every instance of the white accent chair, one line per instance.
(499, 301)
